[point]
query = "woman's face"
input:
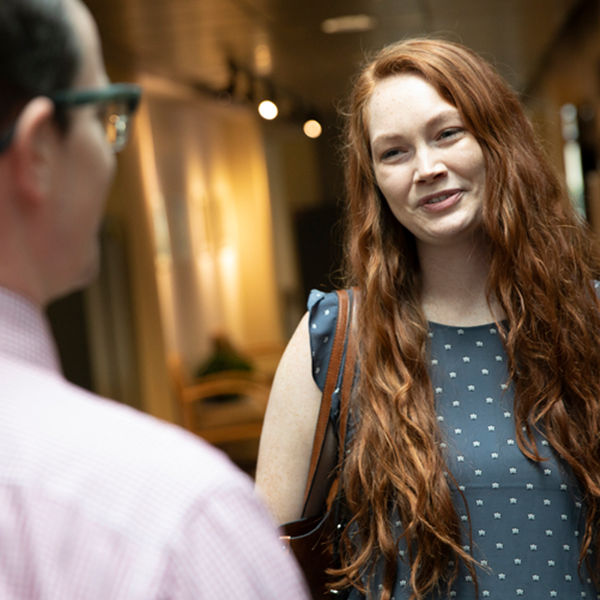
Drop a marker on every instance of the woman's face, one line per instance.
(430, 169)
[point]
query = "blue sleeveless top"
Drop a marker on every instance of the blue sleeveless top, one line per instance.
(526, 517)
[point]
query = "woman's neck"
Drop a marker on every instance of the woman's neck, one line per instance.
(454, 282)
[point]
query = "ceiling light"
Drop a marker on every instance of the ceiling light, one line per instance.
(312, 128)
(263, 62)
(348, 24)
(268, 110)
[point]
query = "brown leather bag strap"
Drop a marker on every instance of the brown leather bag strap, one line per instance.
(348, 377)
(335, 361)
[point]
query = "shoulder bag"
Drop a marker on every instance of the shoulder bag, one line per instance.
(310, 537)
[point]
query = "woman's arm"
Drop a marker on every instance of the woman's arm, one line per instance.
(289, 429)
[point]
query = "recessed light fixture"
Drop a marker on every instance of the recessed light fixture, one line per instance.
(263, 62)
(349, 24)
(268, 110)
(312, 128)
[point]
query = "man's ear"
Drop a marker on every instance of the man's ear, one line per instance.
(33, 150)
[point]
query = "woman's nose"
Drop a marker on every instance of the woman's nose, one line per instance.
(429, 165)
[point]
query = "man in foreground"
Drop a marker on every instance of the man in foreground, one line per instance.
(97, 501)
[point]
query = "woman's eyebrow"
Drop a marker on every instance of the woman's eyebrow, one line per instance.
(386, 138)
(445, 115)
(440, 118)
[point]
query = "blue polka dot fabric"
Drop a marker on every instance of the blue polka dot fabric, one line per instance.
(526, 517)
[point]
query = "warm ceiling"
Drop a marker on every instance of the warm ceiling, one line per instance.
(195, 41)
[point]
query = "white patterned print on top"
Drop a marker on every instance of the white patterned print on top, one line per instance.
(525, 517)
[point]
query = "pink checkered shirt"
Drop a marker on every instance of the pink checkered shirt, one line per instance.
(100, 502)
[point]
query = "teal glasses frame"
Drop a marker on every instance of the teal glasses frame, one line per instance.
(117, 103)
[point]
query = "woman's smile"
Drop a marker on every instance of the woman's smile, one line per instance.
(440, 201)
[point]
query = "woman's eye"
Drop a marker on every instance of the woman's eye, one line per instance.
(390, 154)
(449, 133)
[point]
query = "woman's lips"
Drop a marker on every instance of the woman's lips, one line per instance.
(441, 201)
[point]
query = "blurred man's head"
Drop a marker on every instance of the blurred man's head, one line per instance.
(39, 53)
(60, 123)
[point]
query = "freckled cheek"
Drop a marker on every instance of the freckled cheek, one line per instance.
(474, 161)
(398, 204)
(395, 189)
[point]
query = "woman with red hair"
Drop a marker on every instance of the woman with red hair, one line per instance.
(472, 461)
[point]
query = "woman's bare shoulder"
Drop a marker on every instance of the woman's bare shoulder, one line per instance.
(289, 429)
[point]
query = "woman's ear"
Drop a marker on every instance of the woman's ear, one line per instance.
(33, 151)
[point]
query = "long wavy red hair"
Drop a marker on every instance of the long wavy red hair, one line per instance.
(542, 266)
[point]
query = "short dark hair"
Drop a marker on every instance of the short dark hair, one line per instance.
(39, 52)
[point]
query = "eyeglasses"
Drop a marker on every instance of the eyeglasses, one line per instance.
(117, 103)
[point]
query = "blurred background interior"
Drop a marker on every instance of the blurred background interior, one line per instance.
(221, 220)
